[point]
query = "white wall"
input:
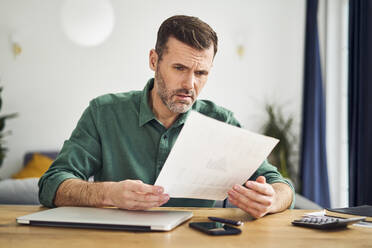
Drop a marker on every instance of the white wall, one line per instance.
(335, 63)
(51, 82)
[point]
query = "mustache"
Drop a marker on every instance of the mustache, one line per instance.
(189, 93)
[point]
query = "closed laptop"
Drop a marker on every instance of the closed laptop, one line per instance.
(107, 218)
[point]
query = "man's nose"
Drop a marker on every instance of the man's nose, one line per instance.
(188, 81)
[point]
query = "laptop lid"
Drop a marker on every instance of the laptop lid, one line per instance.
(107, 218)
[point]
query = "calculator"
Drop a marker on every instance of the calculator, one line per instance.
(325, 222)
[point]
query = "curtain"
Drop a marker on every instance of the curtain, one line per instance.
(313, 168)
(360, 102)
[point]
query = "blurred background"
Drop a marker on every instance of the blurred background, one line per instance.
(52, 63)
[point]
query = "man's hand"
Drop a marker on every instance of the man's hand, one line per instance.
(259, 198)
(134, 195)
(127, 194)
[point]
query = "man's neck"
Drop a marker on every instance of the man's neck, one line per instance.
(161, 112)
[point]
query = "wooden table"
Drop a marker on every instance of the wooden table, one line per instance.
(271, 231)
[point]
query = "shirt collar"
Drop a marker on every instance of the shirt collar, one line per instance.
(146, 115)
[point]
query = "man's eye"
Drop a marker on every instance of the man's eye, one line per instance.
(201, 73)
(179, 68)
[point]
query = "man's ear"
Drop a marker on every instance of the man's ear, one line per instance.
(153, 59)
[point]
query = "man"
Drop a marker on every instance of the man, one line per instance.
(124, 139)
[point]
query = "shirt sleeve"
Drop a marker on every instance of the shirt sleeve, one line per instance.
(232, 120)
(80, 157)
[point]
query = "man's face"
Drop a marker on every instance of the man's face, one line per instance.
(181, 75)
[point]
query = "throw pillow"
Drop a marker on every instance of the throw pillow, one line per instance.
(36, 167)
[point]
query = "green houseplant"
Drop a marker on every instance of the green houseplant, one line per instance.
(279, 127)
(3, 118)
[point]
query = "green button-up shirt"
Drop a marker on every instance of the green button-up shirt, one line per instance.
(118, 137)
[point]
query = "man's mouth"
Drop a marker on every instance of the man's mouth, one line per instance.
(184, 96)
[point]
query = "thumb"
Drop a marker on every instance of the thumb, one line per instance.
(261, 179)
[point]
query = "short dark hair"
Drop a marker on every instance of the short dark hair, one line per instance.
(187, 29)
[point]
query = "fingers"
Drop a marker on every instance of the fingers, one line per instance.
(256, 209)
(249, 199)
(261, 179)
(136, 195)
(142, 205)
(256, 198)
(247, 195)
(250, 208)
(137, 205)
(140, 197)
(139, 186)
(139, 191)
(262, 188)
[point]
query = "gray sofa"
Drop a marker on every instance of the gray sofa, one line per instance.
(19, 191)
(25, 191)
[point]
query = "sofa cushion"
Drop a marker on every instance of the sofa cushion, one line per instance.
(19, 191)
(50, 154)
(36, 167)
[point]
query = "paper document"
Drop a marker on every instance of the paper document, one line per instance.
(210, 156)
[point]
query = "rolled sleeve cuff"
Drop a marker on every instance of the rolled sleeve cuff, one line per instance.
(48, 187)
